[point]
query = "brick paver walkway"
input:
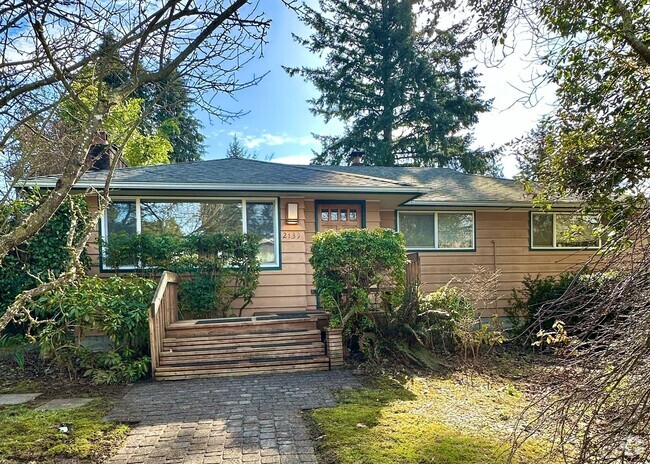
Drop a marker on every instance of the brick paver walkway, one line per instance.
(225, 420)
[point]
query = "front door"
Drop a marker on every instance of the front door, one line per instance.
(339, 216)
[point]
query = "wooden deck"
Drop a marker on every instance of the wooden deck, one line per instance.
(261, 344)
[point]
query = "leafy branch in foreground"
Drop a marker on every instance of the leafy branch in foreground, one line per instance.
(596, 147)
(48, 46)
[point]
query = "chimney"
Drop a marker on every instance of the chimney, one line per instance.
(101, 153)
(355, 158)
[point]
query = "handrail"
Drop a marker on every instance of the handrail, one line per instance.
(162, 312)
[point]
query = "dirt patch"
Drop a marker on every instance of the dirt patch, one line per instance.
(30, 373)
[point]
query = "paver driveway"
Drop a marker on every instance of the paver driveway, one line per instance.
(253, 419)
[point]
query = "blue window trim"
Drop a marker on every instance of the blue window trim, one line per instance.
(136, 199)
(435, 212)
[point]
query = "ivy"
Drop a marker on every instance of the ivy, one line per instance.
(44, 256)
(221, 268)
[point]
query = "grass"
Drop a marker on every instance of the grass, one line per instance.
(454, 420)
(33, 436)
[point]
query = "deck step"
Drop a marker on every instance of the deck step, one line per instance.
(194, 329)
(255, 345)
(234, 338)
(204, 374)
(242, 367)
(193, 357)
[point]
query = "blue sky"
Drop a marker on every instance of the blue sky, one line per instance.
(278, 121)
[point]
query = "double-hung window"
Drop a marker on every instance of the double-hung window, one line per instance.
(437, 230)
(564, 230)
(186, 217)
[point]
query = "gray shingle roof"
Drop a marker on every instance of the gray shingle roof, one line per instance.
(436, 186)
(236, 174)
(448, 186)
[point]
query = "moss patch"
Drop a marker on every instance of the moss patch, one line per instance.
(34, 436)
(424, 420)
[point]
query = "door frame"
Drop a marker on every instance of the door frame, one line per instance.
(361, 203)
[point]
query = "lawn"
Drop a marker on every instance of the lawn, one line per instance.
(34, 436)
(28, 435)
(458, 418)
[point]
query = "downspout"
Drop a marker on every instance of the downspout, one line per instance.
(494, 264)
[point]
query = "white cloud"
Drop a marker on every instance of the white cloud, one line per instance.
(294, 159)
(271, 140)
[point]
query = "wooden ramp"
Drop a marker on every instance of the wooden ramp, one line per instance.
(257, 345)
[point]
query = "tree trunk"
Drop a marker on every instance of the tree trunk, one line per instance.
(386, 152)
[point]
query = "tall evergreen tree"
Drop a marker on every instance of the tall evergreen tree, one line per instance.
(171, 112)
(237, 150)
(167, 109)
(402, 91)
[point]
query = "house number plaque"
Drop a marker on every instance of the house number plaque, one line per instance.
(291, 236)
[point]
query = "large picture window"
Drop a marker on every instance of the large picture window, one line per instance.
(437, 230)
(186, 217)
(563, 230)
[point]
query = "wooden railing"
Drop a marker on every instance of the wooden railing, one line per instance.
(412, 270)
(162, 313)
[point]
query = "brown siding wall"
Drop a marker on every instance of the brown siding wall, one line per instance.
(93, 244)
(285, 289)
(502, 242)
(278, 290)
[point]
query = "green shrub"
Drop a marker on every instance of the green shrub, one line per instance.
(542, 301)
(443, 310)
(422, 326)
(222, 267)
(116, 306)
(526, 302)
(43, 256)
(357, 270)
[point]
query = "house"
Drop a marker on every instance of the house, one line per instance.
(453, 220)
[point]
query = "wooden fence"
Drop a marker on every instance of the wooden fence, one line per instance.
(412, 270)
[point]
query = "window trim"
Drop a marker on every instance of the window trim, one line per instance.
(275, 201)
(435, 228)
(554, 247)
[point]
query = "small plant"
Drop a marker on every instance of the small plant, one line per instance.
(555, 337)
(474, 337)
(18, 356)
(12, 340)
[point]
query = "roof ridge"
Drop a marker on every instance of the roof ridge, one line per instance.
(323, 168)
(445, 168)
(477, 175)
(312, 167)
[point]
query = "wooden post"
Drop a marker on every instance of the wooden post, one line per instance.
(334, 346)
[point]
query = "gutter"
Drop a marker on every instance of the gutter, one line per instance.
(234, 187)
(486, 204)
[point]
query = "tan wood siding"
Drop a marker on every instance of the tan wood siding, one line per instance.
(278, 290)
(387, 219)
(507, 234)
